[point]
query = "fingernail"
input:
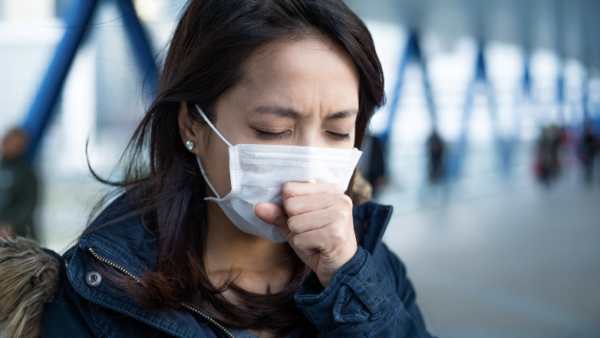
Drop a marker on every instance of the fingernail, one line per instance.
(312, 181)
(254, 206)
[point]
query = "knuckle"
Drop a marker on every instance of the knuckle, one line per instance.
(346, 200)
(341, 215)
(288, 190)
(297, 242)
(288, 205)
(338, 235)
(293, 225)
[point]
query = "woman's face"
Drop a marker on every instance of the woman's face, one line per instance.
(299, 93)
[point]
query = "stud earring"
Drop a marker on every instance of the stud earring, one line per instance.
(190, 145)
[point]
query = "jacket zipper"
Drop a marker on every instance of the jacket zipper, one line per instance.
(191, 308)
(187, 306)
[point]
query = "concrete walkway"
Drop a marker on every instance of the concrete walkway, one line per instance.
(520, 262)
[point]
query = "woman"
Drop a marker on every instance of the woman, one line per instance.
(235, 220)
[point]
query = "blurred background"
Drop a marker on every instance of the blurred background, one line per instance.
(487, 146)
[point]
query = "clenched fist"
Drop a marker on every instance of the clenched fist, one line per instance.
(316, 219)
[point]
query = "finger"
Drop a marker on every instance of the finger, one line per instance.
(299, 205)
(310, 221)
(326, 240)
(310, 242)
(272, 214)
(292, 189)
(307, 244)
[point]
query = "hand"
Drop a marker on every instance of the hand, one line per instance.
(317, 221)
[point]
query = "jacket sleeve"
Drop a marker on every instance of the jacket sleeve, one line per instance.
(361, 301)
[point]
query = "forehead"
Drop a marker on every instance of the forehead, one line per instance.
(307, 72)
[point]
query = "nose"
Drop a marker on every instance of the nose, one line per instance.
(310, 135)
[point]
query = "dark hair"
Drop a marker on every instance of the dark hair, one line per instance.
(212, 42)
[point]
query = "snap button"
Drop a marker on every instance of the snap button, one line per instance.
(93, 279)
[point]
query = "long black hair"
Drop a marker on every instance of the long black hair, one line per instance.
(209, 49)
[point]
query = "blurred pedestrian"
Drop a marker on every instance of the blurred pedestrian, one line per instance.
(435, 191)
(557, 138)
(18, 187)
(589, 151)
(373, 164)
(436, 150)
(548, 161)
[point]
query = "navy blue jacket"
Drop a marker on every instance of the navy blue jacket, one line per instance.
(369, 296)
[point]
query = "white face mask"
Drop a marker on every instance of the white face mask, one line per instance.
(258, 172)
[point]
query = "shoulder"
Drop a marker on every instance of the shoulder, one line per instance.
(120, 229)
(68, 315)
(22, 169)
(71, 315)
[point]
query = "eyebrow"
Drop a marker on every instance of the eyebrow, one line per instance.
(342, 114)
(278, 111)
(289, 112)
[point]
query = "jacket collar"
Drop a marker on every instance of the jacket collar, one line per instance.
(371, 220)
(124, 243)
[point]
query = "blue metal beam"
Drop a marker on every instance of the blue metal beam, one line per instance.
(526, 80)
(505, 146)
(585, 98)
(39, 114)
(428, 91)
(42, 108)
(412, 52)
(458, 151)
(560, 93)
(141, 45)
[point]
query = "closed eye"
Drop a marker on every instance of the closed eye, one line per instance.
(265, 135)
(338, 136)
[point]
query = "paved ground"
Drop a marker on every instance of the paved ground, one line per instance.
(514, 262)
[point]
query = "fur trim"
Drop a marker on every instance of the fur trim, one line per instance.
(29, 279)
(361, 189)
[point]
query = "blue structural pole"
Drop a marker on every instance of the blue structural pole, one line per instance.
(141, 45)
(40, 113)
(42, 107)
(412, 52)
(406, 56)
(585, 98)
(458, 153)
(526, 82)
(428, 90)
(560, 94)
(523, 95)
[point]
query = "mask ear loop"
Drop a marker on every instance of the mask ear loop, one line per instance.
(198, 159)
(206, 179)
(212, 126)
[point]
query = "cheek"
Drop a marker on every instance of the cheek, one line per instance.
(216, 165)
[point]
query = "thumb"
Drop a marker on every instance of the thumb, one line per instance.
(272, 214)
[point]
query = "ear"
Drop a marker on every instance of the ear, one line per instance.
(187, 130)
